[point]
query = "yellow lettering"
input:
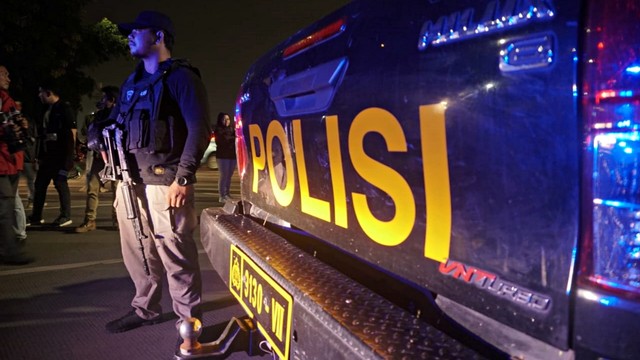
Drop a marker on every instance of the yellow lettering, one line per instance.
(259, 160)
(396, 230)
(277, 319)
(436, 182)
(247, 283)
(278, 172)
(337, 172)
(253, 297)
(308, 205)
(277, 158)
(260, 299)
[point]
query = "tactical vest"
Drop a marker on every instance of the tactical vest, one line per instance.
(147, 130)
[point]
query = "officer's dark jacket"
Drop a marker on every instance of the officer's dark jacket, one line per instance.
(166, 119)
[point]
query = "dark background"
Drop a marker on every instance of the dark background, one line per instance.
(221, 38)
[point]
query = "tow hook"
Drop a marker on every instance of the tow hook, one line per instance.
(240, 333)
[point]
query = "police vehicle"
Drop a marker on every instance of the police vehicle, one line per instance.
(441, 179)
(209, 157)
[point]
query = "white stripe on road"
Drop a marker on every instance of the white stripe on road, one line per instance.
(58, 267)
(39, 269)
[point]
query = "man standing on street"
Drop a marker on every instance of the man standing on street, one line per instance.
(164, 114)
(55, 154)
(11, 162)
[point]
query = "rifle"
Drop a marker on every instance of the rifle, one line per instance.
(117, 168)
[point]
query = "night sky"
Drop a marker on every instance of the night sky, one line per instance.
(221, 38)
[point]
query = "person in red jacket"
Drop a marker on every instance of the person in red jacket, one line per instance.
(11, 163)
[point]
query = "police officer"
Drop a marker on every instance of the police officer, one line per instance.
(163, 111)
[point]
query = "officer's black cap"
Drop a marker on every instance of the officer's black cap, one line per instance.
(149, 20)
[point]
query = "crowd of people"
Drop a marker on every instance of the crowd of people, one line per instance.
(160, 125)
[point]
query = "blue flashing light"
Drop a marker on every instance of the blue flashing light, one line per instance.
(628, 150)
(623, 124)
(574, 253)
(616, 204)
(244, 98)
(612, 203)
(625, 93)
(602, 299)
(608, 300)
(634, 69)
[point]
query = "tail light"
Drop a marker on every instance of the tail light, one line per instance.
(241, 149)
(317, 37)
(611, 111)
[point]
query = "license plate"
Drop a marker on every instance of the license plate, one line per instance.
(264, 300)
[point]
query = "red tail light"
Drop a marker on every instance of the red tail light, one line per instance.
(317, 37)
(241, 149)
(610, 253)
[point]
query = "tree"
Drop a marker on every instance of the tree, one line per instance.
(44, 39)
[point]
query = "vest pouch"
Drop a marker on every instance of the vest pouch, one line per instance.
(162, 136)
(139, 130)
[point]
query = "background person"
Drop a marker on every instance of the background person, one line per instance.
(55, 155)
(11, 162)
(30, 163)
(28, 139)
(225, 135)
(95, 163)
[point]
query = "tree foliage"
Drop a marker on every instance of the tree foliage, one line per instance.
(44, 39)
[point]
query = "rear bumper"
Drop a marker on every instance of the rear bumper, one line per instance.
(307, 309)
(599, 318)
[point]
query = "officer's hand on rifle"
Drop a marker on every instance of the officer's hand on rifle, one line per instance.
(178, 194)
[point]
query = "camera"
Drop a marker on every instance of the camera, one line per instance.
(14, 132)
(10, 117)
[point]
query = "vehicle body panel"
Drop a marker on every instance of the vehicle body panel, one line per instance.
(441, 143)
(511, 145)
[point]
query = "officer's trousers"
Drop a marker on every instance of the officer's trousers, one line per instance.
(168, 245)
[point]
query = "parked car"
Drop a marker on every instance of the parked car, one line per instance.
(209, 157)
(441, 179)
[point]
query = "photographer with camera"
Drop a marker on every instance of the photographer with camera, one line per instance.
(30, 163)
(12, 131)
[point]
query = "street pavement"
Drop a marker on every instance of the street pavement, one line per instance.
(57, 306)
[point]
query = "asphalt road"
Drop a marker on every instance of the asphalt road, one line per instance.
(56, 307)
